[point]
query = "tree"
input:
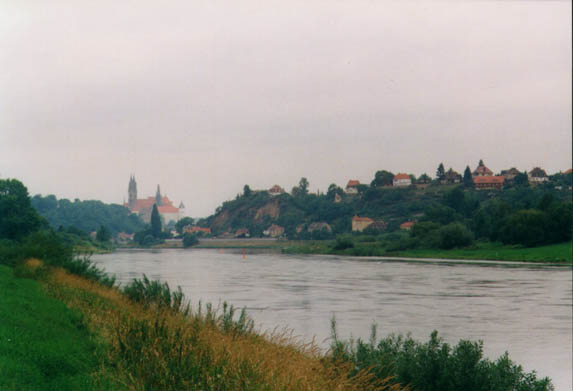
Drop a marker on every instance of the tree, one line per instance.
(525, 227)
(189, 240)
(301, 189)
(424, 178)
(441, 172)
(382, 178)
(155, 222)
(468, 179)
(455, 235)
(246, 191)
(521, 179)
(103, 234)
(333, 189)
(182, 223)
(303, 186)
(17, 216)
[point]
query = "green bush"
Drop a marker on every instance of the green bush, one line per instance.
(343, 242)
(190, 240)
(434, 365)
(156, 294)
(455, 235)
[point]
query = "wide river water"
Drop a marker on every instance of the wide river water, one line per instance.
(523, 309)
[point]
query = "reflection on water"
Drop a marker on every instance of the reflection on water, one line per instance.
(524, 309)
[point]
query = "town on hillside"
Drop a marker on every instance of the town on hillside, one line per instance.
(272, 217)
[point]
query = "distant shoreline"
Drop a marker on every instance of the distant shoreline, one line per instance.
(558, 255)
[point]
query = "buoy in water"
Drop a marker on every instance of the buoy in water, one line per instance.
(244, 254)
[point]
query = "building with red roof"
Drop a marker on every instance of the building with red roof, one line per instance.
(406, 226)
(401, 180)
(352, 186)
(488, 182)
(482, 170)
(192, 230)
(276, 190)
(144, 206)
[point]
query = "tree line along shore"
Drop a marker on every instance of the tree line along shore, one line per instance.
(68, 326)
(521, 221)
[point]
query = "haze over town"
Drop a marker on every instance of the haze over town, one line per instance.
(205, 97)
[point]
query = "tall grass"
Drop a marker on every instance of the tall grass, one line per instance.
(158, 342)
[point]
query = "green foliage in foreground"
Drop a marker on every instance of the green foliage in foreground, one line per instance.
(43, 344)
(435, 365)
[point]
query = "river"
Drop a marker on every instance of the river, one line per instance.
(524, 309)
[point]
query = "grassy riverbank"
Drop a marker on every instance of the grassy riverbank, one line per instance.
(555, 253)
(148, 340)
(43, 344)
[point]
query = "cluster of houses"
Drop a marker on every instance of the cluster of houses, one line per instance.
(483, 178)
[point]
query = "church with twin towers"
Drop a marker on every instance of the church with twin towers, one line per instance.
(144, 206)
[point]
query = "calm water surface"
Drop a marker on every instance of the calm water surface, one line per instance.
(523, 309)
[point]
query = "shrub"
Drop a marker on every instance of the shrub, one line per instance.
(342, 243)
(155, 294)
(434, 365)
(190, 240)
(455, 235)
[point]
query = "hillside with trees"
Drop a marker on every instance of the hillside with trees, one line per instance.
(444, 215)
(86, 216)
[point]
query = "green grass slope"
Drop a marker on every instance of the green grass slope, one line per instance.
(43, 344)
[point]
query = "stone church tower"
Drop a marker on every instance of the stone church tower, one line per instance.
(132, 192)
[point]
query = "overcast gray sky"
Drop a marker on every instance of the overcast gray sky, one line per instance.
(203, 97)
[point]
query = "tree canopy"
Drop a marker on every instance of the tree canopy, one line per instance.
(155, 222)
(382, 178)
(87, 216)
(440, 172)
(17, 217)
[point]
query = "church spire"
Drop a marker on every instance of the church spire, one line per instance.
(132, 192)
(158, 197)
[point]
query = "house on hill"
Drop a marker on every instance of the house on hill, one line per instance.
(352, 186)
(274, 231)
(407, 225)
(359, 224)
(193, 230)
(401, 180)
(510, 174)
(488, 182)
(276, 190)
(482, 170)
(537, 176)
